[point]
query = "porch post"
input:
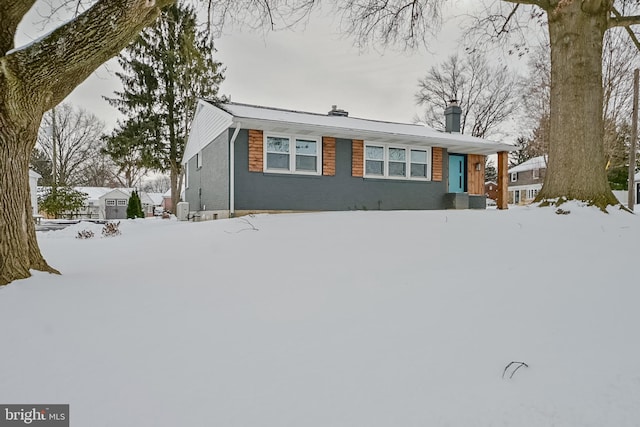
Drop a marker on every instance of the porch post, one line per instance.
(503, 181)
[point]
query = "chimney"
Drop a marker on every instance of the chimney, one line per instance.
(336, 112)
(452, 117)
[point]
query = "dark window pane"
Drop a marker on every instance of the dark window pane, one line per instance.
(374, 167)
(418, 170)
(397, 169)
(306, 163)
(277, 161)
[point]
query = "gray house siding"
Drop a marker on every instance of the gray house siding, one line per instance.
(268, 191)
(208, 186)
(526, 178)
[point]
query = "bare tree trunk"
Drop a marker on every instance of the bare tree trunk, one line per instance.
(576, 168)
(175, 189)
(19, 250)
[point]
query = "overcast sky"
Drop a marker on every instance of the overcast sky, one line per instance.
(309, 69)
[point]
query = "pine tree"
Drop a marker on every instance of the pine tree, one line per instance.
(167, 68)
(134, 206)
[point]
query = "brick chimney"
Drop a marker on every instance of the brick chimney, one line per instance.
(452, 117)
(336, 112)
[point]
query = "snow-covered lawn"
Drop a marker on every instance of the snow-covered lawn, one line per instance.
(335, 319)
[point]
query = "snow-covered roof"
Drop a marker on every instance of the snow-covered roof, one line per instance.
(156, 198)
(34, 174)
(94, 193)
(210, 121)
(531, 164)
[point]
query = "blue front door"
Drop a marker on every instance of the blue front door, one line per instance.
(456, 173)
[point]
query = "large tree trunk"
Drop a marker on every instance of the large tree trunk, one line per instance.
(576, 168)
(19, 250)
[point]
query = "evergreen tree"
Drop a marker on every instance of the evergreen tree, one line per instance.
(167, 68)
(134, 206)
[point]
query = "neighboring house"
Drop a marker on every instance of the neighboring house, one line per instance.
(243, 158)
(491, 190)
(33, 190)
(91, 209)
(113, 204)
(525, 180)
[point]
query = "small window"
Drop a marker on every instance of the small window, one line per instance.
(111, 202)
(514, 177)
(306, 155)
(536, 173)
(186, 175)
(374, 160)
(122, 202)
(397, 162)
(418, 164)
(199, 160)
(277, 153)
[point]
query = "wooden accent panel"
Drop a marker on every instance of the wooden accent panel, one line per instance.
(503, 179)
(475, 178)
(436, 166)
(357, 157)
(328, 156)
(256, 152)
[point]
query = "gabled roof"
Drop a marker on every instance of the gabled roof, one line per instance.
(210, 121)
(531, 164)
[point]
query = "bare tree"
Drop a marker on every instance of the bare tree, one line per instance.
(485, 93)
(159, 184)
(74, 135)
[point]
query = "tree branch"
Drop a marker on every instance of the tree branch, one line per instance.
(11, 13)
(55, 65)
(627, 27)
(622, 21)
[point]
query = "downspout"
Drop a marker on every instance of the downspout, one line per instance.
(232, 197)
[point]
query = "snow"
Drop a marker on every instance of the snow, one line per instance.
(334, 319)
(539, 162)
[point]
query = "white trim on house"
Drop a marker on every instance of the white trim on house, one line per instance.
(407, 161)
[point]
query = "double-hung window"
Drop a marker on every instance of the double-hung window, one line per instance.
(399, 162)
(290, 154)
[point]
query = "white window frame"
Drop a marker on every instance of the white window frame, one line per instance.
(121, 202)
(292, 154)
(199, 160)
(514, 176)
(385, 161)
(186, 175)
(110, 202)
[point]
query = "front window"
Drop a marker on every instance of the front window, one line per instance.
(374, 160)
(418, 164)
(390, 161)
(514, 177)
(287, 154)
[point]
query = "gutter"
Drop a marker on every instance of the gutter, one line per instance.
(232, 201)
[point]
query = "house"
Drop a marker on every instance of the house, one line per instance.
(636, 180)
(491, 190)
(525, 180)
(33, 190)
(242, 158)
(113, 204)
